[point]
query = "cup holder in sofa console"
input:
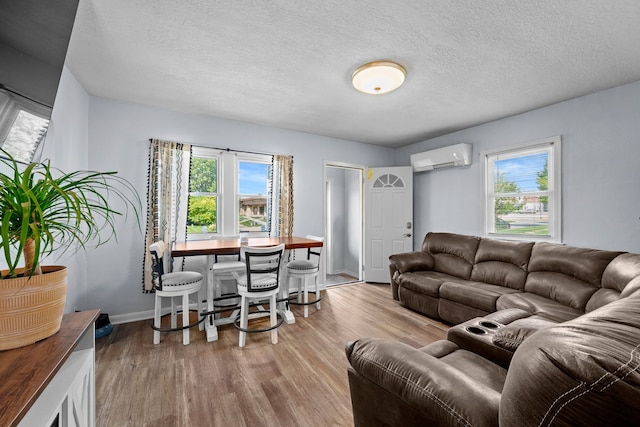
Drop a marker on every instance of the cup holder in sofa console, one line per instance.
(476, 330)
(489, 325)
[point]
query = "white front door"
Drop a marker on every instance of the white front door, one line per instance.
(388, 219)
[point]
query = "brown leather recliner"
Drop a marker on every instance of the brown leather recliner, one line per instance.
(583, 372)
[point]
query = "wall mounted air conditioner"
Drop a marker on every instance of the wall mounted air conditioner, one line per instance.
(453, 155)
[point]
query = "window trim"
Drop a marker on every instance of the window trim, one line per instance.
(554, 191)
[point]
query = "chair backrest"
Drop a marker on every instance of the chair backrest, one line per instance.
(157, 251)
(314, 251)
(263, 267)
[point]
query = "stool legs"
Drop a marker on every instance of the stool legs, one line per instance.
(175, 301)
(306, 296)
(185, 319)
(174, 313)
(202, 296)
(244, 320)
(156, 319)
(303, 291)
(317, 294)
(273, 318)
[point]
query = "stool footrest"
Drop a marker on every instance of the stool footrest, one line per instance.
(280, 321)
(179, 328)
(295, 295)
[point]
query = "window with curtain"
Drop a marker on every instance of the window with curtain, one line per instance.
(198, 192)
(522, 191)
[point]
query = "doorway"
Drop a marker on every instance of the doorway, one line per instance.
(343, 201)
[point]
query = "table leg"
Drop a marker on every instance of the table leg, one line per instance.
(209, 323)
(283, 307)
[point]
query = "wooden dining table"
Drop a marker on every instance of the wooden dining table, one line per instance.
(213, 247)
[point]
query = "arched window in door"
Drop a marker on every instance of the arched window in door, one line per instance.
(388, 181)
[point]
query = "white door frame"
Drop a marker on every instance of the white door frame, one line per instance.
(327, 228)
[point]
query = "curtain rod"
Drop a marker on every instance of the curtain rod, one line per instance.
(228, 150)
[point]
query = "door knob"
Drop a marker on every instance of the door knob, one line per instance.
(407, 235)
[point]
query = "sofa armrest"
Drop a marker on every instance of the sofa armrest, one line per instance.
(411, 261)
(405, 262)
(440, 393)
(512, 335)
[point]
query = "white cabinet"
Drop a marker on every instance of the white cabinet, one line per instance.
(52, 382)
(69, 399)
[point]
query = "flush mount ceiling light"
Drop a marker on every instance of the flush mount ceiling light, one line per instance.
(378, 77)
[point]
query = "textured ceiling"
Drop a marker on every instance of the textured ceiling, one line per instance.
(288, 64)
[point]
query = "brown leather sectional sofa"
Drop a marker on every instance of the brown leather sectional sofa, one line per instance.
(457, 277)
(546, 335)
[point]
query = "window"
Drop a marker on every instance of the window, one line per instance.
(202, 216)
(253, 179)
(23, 125)
(522, 191)
(228, 193)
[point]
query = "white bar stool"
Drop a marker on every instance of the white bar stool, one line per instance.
(172, 285)
(304, 270)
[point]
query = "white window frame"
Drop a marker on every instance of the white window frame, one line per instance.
(554, 191)
(228, 186)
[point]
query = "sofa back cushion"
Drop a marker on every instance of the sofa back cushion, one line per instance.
(565, 274)
(452, 254)
(620, 278)
(502, 263)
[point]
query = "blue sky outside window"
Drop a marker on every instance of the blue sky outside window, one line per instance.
(253, 178)
(523, 171)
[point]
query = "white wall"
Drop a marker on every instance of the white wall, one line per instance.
(601, 206)
(600, 172)
(66, 146)
(118, 140)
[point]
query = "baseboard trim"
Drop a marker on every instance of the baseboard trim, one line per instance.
(131, 317)
(117, 319)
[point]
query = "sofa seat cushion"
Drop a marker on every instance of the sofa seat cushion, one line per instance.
(474, 294)
(478, 368)
(536, 304)
(470, 363)
(424, 282)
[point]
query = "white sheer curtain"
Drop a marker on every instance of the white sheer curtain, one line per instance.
(167, 197)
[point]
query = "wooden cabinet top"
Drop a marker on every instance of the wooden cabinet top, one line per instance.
(25, 372)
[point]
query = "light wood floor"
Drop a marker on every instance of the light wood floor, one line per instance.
(301, 381)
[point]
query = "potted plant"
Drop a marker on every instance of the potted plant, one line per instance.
(43, 210)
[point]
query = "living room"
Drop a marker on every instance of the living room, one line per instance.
(600, 147)
(598, 134)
